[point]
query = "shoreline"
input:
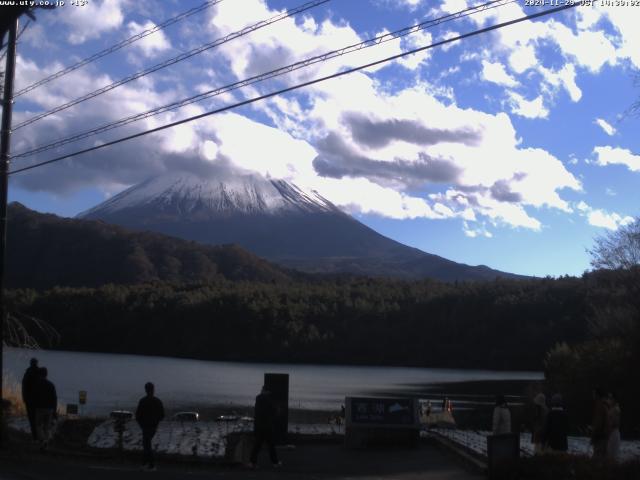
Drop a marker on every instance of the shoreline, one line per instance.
(346, 363)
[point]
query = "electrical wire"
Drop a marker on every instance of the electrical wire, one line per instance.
(117, 46)
(174, 60)
(300, 85)
(267, 75)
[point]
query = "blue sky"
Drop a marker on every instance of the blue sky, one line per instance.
(511, 149)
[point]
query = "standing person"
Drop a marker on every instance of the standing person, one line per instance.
(263, 428)
(501, 416)
(45, 400)
(557, 426)
(613, 428)
(539, 423)
(599, 425)
(149, 413)
(31, 376)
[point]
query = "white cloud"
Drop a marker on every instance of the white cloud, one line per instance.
(412, 4)
(496, 158)
(608, 129)
(611, 221)
(416, 40)
(496, 73)
(590, 49)
(491, 179)
(617, 156)
(475, 231)
(582, 206)
(565, 78)
(626, 35)
(151, 45)
(446, 36)
(523, 58)
(585, 46)
(528, 108)
(89, 22)
(601, 218)
(286, 42)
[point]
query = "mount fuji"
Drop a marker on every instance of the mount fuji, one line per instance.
(277, 220)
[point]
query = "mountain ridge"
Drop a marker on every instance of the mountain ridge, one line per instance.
(276, 220)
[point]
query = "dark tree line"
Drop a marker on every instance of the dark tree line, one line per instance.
(609, 356)
(501, 324)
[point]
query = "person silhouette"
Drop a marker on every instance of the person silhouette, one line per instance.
(264, 427)
(501, 417)
(46, 403)
(29, 379)
(149, 414)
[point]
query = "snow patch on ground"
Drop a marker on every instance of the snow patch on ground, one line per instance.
(208, 439)
(476, 441)
(201, 439)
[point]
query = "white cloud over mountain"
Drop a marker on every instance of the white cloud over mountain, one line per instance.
(369, 145)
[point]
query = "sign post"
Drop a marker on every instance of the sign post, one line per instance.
(82, 400)
(376, 421)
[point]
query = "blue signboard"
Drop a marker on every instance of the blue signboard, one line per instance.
(382, 411)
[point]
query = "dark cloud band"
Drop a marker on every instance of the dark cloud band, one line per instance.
(379, 133)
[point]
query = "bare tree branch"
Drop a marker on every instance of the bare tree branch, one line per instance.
(617, 249)
(24, 331)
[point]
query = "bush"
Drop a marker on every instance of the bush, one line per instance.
(575, 370)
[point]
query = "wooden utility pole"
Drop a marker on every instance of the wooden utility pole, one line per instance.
(5, 151)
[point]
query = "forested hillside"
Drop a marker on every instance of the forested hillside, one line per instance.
(501, 324)
(44, 251)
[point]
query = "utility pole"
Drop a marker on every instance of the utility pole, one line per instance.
(5, 150)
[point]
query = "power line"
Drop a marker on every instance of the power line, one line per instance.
(174, 60)
(118, 46)
(300, 85)
(268, 75)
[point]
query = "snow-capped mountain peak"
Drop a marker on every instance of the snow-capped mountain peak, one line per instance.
(186, 193)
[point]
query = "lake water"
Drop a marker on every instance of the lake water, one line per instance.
(116, 381)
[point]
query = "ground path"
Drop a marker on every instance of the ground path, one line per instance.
(310, 461)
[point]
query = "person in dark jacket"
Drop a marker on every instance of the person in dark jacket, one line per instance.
(29, 379)
(599, 425)
(501, 416)
(149, 413)
(538, 429)
(557, 427)
(45, 401)
(263, 428)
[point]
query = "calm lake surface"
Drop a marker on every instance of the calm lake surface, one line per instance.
(116, 381)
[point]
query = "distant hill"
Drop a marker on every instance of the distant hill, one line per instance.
(278, 221)
(45, 250)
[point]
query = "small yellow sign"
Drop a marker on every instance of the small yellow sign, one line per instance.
(82, 397)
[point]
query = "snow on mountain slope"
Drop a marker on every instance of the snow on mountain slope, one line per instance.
(275, 220)
(186, 193)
